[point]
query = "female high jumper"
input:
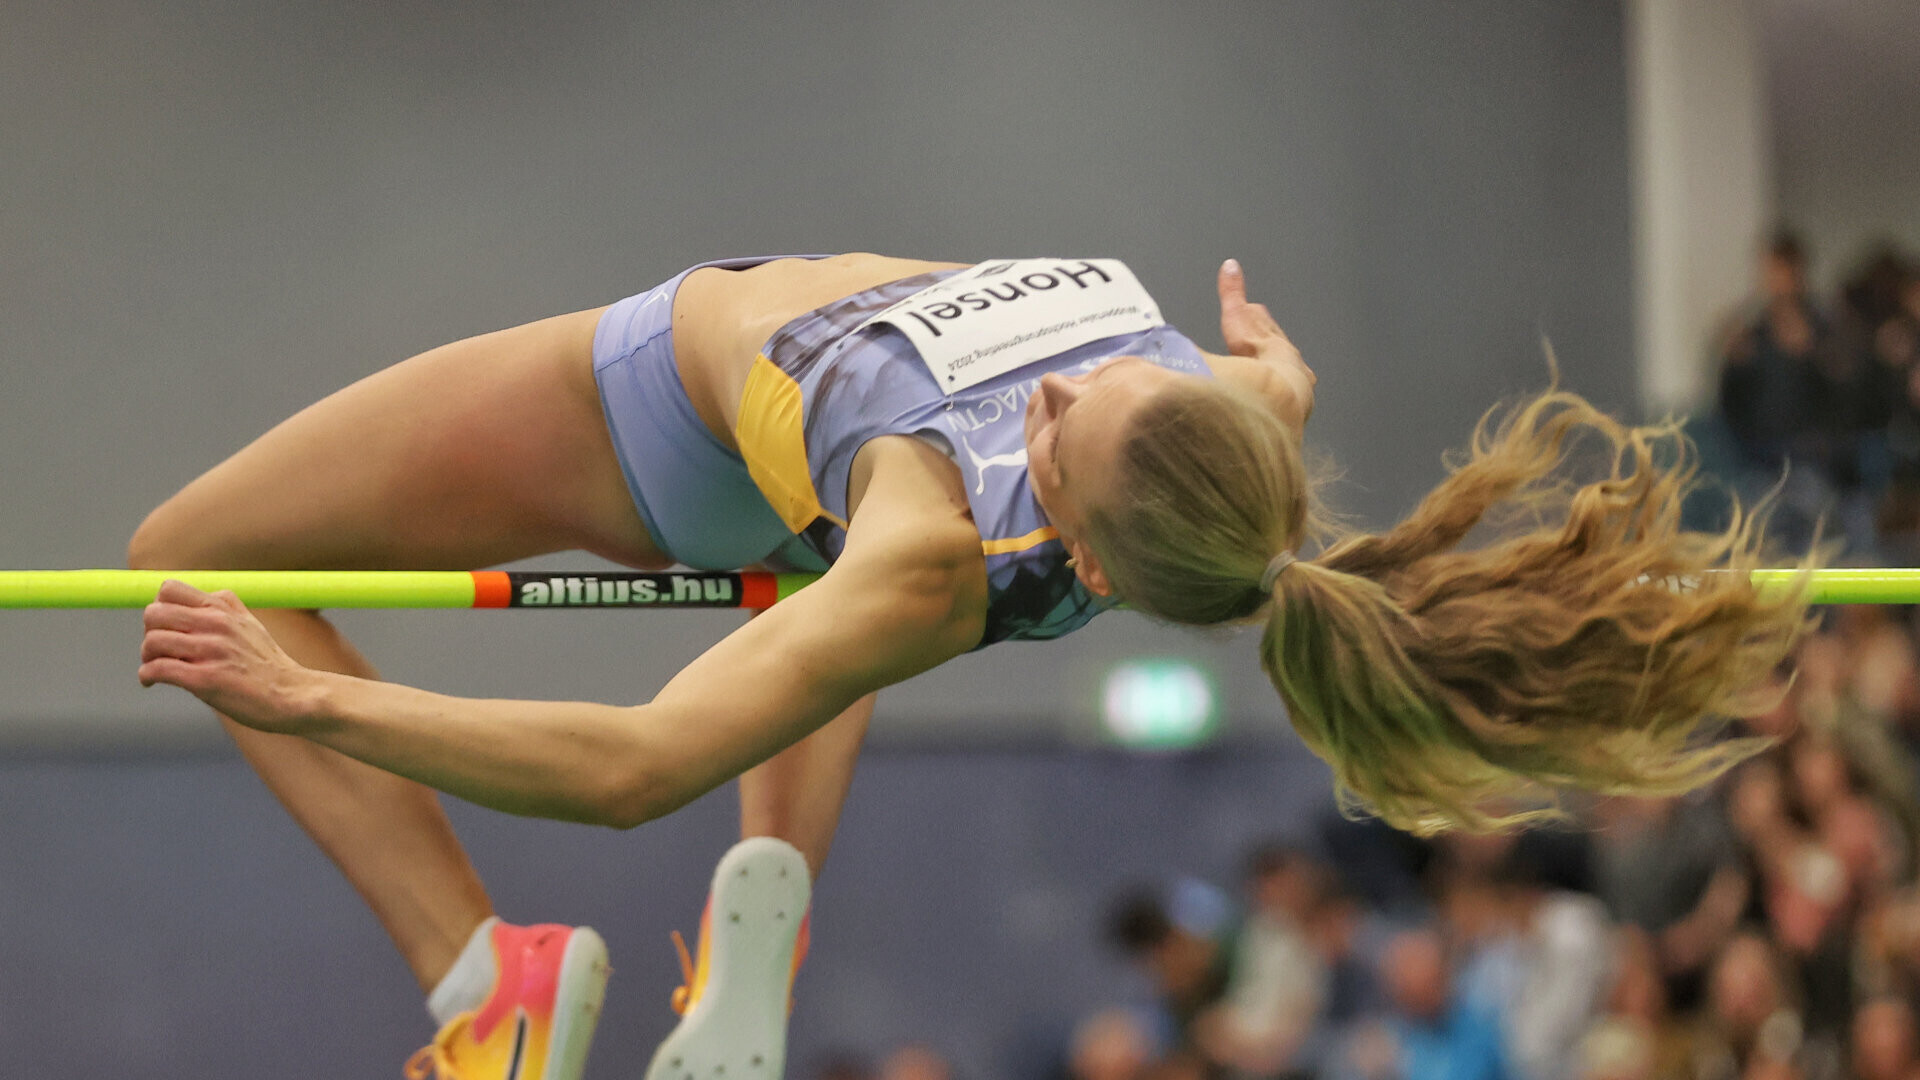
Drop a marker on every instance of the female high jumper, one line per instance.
(972, 454)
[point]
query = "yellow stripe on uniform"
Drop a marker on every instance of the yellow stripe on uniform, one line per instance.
(1020, 543)
(774, 444)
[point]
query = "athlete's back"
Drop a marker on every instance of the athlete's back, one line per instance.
(721, 318)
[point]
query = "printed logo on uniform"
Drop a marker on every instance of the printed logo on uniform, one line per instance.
(1016, 461)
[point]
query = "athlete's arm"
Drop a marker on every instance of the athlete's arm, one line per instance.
(908, 594)
(1273, 369)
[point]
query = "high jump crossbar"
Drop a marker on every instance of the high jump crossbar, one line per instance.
(407, 588)
(397, 589)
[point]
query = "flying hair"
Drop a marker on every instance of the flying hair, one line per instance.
(1579, 640)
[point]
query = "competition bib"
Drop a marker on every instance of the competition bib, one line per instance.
(988, 320)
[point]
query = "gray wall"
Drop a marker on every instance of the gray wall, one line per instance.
(1844, 97)
(213, 213)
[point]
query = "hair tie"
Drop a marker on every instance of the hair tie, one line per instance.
(1275, 566)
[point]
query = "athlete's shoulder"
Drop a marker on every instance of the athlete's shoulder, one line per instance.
(913, 528)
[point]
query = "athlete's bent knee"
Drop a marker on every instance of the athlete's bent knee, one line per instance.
(158, 544)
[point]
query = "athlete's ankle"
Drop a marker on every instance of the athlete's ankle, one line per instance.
(470, 978)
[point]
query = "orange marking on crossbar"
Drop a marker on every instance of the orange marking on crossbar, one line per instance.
(758, 590)
(491, 588)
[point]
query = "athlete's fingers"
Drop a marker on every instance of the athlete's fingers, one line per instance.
(1248, 328)
(159, 644)
(1234, 308)
(1256, 319)
(175, 591)
(173, 672)
(1233, 285)
(199, 620)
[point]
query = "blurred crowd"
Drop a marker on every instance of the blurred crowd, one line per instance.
(1764, 928)
(1767, 928)
(1827, 394)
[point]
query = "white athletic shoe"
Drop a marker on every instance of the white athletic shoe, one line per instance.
(733, 1009)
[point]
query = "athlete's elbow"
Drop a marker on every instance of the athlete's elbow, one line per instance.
(623, 816)
(627, 806)
(634, 797)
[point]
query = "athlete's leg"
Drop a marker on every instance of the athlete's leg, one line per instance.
(479, 452)
(387, 834)
(753, 934)
(796, 795)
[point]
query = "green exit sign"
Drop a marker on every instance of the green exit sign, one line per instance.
(1161, 704)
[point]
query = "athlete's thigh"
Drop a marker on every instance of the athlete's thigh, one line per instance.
(488, 449)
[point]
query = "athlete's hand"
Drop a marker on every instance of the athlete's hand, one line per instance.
(1250, 329)
(210, 645)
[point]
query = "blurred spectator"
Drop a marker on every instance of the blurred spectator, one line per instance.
(1382, 866)
(1110, 1045)
(1557, 858)
(1825, 853)
(1801, 885)
(1880, 323)
(1186, 958)
(1536, 957)
(1615, 1050)
(1882, 1045)
(1639, 1037)
(1433, 1033)
(1850, 822)
(1768, 381)
(915, 1061)
(1862, 702)
(1755, 1026)
(1879, 287)
(1349, 938)
(1889, 956)
(1279, 984)
(1671, 868)
(1864, 659)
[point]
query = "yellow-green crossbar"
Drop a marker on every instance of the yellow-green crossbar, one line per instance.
(1850, 585)
(406, 588)
(577, 589)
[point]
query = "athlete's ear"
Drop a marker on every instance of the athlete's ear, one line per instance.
(1087, 567)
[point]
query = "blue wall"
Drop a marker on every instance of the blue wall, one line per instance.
(163, 918)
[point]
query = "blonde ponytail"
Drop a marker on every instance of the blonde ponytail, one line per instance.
(1588, 645)
(1452, 686)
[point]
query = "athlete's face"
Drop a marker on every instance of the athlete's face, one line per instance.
(1075, 427)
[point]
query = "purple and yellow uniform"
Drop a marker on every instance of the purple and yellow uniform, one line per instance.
(822, 387)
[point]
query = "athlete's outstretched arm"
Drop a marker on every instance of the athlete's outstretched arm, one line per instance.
(887, 611)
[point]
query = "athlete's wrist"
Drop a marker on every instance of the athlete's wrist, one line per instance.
(318, 702)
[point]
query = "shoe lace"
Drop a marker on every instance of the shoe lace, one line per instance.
(436, 1058)
(683, 995)
(682, 999)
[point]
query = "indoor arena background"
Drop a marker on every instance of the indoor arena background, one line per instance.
(212, 214)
